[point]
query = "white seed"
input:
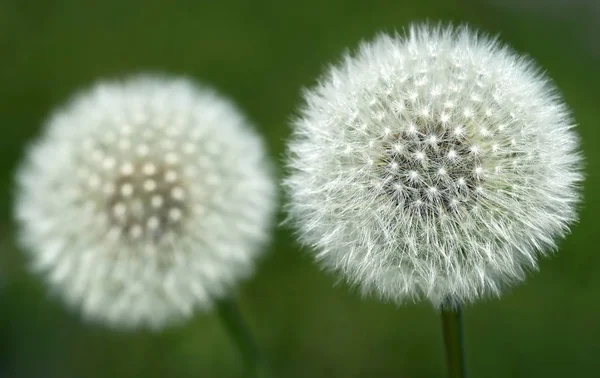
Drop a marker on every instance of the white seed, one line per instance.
(136, 231)
(108, 163)
(119, 210)
(171, 176)
(149, 185)
(157, 201)
(177, 193)
(153, 223)
(126, 189)
(171, 158)
(126, 129)
(124, 144)
(149, 169)
(127, 169)
(142, 150)
(189, 148)
(175, 214)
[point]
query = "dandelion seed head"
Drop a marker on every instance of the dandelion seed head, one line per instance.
(111, 216)
(465, 167)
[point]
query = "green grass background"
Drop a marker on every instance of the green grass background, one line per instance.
(262, 53)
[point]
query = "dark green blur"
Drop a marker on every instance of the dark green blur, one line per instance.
(262, 53)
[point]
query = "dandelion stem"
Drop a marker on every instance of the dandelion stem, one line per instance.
(453, 340)
(240, 333)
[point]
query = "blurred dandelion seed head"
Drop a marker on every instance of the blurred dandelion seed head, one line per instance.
(434, 165)
(145, 199)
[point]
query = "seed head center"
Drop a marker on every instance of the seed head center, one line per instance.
(142, 199)
(432, 172)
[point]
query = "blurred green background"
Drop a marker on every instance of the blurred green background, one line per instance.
(262, 53)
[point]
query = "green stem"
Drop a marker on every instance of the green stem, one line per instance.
(238, 330)
(453, 340)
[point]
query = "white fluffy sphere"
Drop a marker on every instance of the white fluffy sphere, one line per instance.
(435, 165)
(144, 200)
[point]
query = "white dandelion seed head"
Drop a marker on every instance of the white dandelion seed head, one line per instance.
(435, 165)
(144, 200)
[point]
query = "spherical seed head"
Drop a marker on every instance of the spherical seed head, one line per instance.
(144, 200)
(435, 165)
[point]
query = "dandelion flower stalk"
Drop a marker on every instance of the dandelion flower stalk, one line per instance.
(437, 165)
(452, 329)
(144, 201)
(232, 320)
